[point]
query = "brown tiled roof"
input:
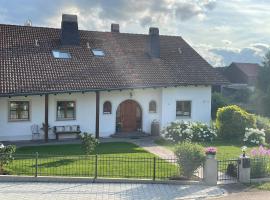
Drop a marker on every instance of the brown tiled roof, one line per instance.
(29, 69)
(250, 69)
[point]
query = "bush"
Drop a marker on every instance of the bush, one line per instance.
(262, 122)
(178, 132)
(254, 136)
(267, 136)
(190, 157)
(189, 131)
(6, 155)
(89, 143)
(218, 101)
(259, 162)
(232, 121)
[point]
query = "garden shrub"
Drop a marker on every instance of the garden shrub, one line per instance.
(190, 156)
(178, 131)
(89, 142)
(267, 136)
(202, 132)
(232, 121)
(254, 136)
(262, 122)
(218, 101)
(189, 131)
(6, 155)
(260, 157)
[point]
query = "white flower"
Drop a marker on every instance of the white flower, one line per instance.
(1, 146)
(243, 148)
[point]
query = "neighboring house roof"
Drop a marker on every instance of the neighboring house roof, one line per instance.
(242, 73)
(249, 69)
(27, 65)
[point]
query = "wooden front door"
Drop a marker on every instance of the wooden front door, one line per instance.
(129, 116)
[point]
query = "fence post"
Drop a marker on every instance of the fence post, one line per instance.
(244, 170)
(96, 166)
(36, 165)
(154, 169)
(210, 171)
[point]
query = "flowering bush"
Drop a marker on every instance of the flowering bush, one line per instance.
(180, 131)
(89, 142)
(202, 132)
(254, 136)
(259, 163)
(210, 151)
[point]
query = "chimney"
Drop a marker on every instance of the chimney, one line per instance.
(154, 42)
(69, 30)
(115, 28)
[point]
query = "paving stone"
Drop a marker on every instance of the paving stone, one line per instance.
(105, 191)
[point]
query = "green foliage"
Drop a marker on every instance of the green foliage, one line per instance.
(232, 121)
(218, 101)
(263, 81)
(180, 131)
(267, 136)
(241, 95)
(6, 155)
(263, 86)
(89, 143)
(259, 167)
(202, 132)
(254, 136)
(190, 156)
(262, 122)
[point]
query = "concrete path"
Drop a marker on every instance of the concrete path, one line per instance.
(105, 191)
(241, 192)
(149, 145)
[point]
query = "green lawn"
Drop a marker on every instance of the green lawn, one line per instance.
(115, 159)
(226, 150)
(262, 186)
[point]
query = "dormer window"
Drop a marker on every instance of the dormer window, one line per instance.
(61, 54)
(98, 52)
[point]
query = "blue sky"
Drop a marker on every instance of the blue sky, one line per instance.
(222, 31)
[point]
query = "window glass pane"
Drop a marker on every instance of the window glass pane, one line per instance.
(65, 110)
(98, 52)
(19, 110)
(107, 107)
(152, 106)
(61, 54)
(183, 108)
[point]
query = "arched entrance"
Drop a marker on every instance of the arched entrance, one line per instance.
(128, 117)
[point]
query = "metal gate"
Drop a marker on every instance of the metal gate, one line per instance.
(228, 171)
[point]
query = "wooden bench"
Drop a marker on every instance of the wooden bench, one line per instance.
(68, 129)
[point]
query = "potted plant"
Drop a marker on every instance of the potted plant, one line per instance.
(210, 152)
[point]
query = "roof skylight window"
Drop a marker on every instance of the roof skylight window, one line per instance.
(61, 54)
(98, 52)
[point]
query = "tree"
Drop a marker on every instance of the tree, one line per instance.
(218, 101)
(263, 86)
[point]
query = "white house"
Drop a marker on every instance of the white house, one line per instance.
(54, 80)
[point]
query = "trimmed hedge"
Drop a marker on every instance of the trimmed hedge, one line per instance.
(232, 121)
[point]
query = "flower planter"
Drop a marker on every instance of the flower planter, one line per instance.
(210, 156)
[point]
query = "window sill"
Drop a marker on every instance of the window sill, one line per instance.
(183, 117)
(73, 119)
(19, 120)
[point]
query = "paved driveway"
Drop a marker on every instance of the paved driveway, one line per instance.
(110, 191)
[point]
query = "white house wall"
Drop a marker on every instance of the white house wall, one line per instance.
(199, 96)
(86, 110)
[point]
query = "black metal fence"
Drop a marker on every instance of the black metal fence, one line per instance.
(228, 170)
(94, 166)
(260, 167)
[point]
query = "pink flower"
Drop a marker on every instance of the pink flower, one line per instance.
(210, 150)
